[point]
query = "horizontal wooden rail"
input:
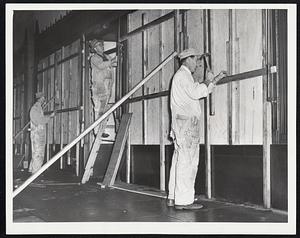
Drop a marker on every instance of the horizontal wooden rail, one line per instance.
(149, 25)
(58, 63)
(241, 76)
(110, 51)
(231, 78)
(91, 127)
(148, 96)
(70, 109)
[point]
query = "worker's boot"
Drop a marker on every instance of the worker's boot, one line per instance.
(193, 206)
(170, 202)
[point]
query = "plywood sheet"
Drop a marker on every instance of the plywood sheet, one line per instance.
(195, 29)
(135, 76)
(250, 53)
(219, 35)
(58, 116)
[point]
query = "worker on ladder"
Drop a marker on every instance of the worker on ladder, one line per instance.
(38, 123)
(101, 78)
(185, 129)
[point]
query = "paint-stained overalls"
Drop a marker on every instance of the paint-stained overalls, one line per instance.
(38, 136)
(101, 83)
(186, 111)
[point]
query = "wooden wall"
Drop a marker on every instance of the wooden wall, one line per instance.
(149, 121)
(236, 46)
(59, 76)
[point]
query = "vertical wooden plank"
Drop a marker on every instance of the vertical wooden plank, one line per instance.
(219, 38)
(78, 102)
(235, 88)
(161, 117)
(135, 20)
(267, 128)
(144, 72)
(67, 85)
(58, 116)
(129, 86)
(207, 116)
(87, 103)
(176, 36)
(153, 86)
(230, 71)
(168, 72)
(62, 103)
(54, 102)
(47, 95)
(249, 55)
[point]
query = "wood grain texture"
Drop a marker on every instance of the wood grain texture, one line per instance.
(118, 150)
(219, 36)
(251, 102)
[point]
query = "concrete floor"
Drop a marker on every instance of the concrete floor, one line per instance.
(50, 201)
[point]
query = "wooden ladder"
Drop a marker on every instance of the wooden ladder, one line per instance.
(116, 153)
(94, 152)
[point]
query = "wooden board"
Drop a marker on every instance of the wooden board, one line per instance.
(139, 189)
(219, 31)
(135, 48)
(168, 72)
(250, 98)
(58, 116)
(117, 152)
(152, 86)
(93, 153)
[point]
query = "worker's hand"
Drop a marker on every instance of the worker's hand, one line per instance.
(221, 75)
(114, 62)
(210, 75)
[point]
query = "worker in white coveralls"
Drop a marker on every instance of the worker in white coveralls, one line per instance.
(101, 78)
(186, 110)
(38, 123)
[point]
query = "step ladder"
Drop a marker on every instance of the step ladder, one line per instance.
(118, 146)
(94, 152)
(117, 152)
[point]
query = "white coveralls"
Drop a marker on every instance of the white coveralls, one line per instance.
(38, 136)
(102, 83)
(186, 110)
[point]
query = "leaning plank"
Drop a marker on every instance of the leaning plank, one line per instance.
(91, 127)
(133, 188)
(117, 152)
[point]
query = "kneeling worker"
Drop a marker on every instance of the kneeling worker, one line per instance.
(186, 111)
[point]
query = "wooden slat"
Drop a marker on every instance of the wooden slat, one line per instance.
(207, 124)
(147, 26)
(162, 158)
(94, 152)
(117, 151)
(267, 128)
(144, 72)
(139, 189)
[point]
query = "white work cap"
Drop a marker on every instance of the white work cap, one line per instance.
(188, 52)
(39, 95)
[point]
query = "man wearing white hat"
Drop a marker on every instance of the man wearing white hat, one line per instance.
(186, 111)
(101, 78)
(38, 122)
